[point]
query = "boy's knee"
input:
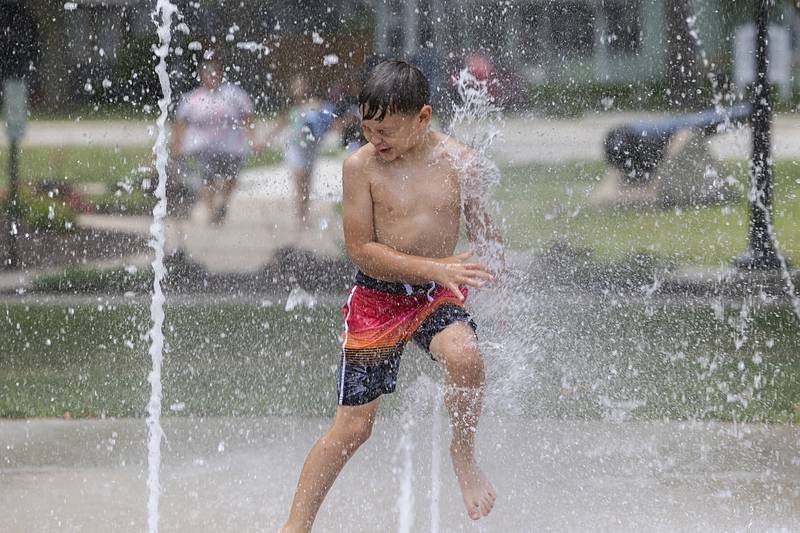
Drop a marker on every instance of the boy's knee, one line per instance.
(463, 364)
(355, 430)
(455, 340)
(461, 352)
(467, 361)
(360, 430)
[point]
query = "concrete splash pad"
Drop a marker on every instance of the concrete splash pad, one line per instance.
(552, 475)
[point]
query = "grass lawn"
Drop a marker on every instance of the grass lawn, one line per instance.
(121, 170)
(76, 164)
(92, 360)
(541, 205)
(665, 359)
(82, 164)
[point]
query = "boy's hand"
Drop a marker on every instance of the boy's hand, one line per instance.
(452, 272)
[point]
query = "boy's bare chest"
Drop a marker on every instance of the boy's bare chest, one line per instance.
(430, 192)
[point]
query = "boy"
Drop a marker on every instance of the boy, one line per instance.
(401, 211)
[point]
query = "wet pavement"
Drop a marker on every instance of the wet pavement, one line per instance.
(260, 221)
(552, 475)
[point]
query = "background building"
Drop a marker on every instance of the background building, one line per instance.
(578, 41)
(98, 52)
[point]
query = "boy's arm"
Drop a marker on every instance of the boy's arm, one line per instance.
(281, 121)
(483, 233)
(249, 125)
(477, 173)
(386, 263)
(178, 133)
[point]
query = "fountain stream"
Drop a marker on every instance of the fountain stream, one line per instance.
(436, 464)
(405, 500)
(162, 15)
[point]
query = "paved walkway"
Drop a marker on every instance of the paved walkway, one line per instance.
(524, 140)
(555, 141)
(238, 475)
(260, 221)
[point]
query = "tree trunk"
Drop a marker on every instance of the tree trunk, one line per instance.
(681, 69)
(53, 75)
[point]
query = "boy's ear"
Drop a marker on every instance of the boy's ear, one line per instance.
(425, 113)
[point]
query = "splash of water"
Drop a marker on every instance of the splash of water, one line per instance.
(477, 122)
(162, 16)
(299, 298)
(405, 501)
(436, 464)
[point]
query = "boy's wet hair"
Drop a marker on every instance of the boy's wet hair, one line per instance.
(393, 87)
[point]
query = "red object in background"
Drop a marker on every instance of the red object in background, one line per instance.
(66, 193)
(480, 67)
(505, 87)
(77, 202)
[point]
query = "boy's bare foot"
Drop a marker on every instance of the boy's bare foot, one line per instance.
(478, 492)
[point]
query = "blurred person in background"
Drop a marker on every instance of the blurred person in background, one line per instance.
(348, 115)
(213, 135)
(305, 122)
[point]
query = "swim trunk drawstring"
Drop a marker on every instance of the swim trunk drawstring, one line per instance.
(429, 294)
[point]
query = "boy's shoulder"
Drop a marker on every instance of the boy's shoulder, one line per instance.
(361, 159)
(456, 152)
(359, 163)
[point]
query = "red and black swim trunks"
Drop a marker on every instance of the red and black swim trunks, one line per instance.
(380, 317)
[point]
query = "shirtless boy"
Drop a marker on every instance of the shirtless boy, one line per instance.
(402, 209)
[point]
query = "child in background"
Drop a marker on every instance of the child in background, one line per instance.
(307, 120)
(214, 134)
(348, 116)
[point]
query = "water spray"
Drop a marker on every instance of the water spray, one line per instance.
(162, 16)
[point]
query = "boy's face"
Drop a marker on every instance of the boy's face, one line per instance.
(397, 133)
(298, 89)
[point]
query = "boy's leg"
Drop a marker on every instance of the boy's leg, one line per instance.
(208, 163)
(302, 179)
(219, 211)
(351, 427)
(206, 195)
(229, 168)
(457, 348)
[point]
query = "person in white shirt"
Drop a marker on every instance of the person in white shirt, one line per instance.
(213, 135)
